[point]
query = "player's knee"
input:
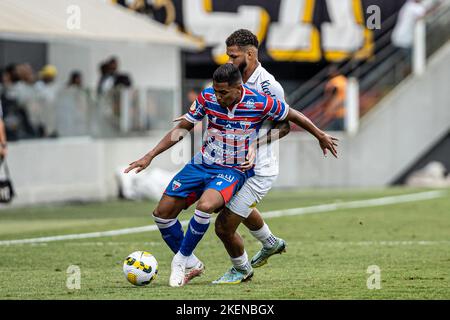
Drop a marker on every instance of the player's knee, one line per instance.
(157, 213)
(206, 206)
(162, 213)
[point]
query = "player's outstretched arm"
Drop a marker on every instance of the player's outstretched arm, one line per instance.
(169, 140)
(326, 141)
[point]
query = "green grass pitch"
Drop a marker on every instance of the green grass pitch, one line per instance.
(327, 256)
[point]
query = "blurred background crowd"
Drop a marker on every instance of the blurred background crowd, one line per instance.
(35, 106)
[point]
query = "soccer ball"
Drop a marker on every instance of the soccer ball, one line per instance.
(140, 268)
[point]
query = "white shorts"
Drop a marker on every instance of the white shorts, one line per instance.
(254, 189)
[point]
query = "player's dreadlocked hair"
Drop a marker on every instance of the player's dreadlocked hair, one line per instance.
(227, 73)
(242, 38)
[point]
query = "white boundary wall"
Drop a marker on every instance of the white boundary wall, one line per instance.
(75, 168)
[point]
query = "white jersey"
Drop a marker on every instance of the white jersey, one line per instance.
(266, 163)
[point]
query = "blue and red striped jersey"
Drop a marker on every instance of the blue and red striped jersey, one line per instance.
(231, 130)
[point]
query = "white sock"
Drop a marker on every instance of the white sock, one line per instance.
(264, 236)
(191, 261)
(164, 223)
(202, 217)
(179, 258)
(241, 262)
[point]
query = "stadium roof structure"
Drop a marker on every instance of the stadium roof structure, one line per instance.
(99, 20)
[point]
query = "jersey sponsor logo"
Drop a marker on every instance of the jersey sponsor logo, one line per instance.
(176, 185)
(227, 177)
(265, 88)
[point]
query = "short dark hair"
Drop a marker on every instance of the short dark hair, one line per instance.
(227, 73)
(242, 38)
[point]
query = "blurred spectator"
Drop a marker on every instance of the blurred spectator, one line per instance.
(24, 93)
(403, 33)
(106, 81)
(334, 100)
(72, 108)
(46, 91)
(23, 90)
(45, 87)
(9, 76)
(26, 73)
(15, 116)
(110, 77)
(75, 80)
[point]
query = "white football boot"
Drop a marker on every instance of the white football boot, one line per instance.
(178, 273)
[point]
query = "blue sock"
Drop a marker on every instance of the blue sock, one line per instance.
(197, 227)
(171, 232)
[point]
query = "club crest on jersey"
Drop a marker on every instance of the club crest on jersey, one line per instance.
(250, 104)
(245, 125)
(175, 185)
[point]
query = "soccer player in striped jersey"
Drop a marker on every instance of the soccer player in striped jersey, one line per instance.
(242, 50)
(214, 175)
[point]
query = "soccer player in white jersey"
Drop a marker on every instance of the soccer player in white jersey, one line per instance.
(242, 50)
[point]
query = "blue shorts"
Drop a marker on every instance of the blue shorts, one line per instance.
(195, 178)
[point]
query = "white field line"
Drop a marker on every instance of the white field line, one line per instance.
(302, 243)
(356, 204)
(270, 214)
